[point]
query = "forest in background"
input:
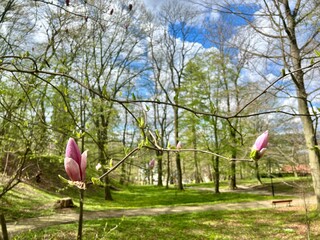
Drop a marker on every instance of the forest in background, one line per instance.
(120, 76)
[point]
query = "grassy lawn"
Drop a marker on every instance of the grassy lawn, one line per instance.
(282, 223)
(25, 201)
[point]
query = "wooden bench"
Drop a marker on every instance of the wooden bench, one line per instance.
(288, 202)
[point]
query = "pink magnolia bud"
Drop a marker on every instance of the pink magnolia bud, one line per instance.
(152, 163)
(260, 146)
(75, 163)
(262, 141)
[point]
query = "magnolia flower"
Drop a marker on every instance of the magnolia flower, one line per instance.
(179, 145)
(152, 163)
(75, 163)
(98, 166)
(260, 146)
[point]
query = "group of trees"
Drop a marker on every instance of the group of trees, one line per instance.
(116, 75)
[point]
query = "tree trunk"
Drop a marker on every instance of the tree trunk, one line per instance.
(123, 174)
(168, 170)
(159, 160)
(178, 160)
(233, 178)
(298, 79)
(216, 175)
(5, 235)
(197, 175)
(107, 190)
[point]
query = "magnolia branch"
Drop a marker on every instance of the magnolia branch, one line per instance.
(157, 147)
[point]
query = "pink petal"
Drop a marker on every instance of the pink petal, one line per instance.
(262, 152)
(262, 141)
(83, 164)
(72, 169)
(73, 151)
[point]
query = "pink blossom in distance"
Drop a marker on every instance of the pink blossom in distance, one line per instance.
(152, 163)
(179, 145)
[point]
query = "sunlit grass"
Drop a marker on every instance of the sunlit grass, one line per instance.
(152, 196)
(25, 201)
(245, 224)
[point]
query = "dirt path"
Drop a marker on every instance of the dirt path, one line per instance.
(42, 222)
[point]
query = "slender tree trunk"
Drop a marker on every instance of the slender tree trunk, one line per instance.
(107, 190)
(233, 164)
(178, 159)
(168, 170)
(216, 160)
(216, 175)
(103, 161)
(232, 176)
(197, 175)
(159, 160)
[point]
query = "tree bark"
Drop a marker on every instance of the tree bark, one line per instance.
(216, 175)
(107, 190)
(159, 160)
(4, 227)
(298, 79)
(233, 164)
(176, 133)
(168, 171)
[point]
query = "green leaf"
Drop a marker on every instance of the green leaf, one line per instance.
(146, 142)
(157, 133)
(254, 154)
(141, 144)
(78, 135)
(126, 150)
(97, 181)
(63, 179)
(317, 53)
(141, 122)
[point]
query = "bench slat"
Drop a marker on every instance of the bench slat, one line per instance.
(282, 201)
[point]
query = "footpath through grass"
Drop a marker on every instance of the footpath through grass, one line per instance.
(26, 202)
(272, 224)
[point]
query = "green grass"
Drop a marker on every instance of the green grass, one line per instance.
(25, 201)
(245, 224)
(152, 196)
